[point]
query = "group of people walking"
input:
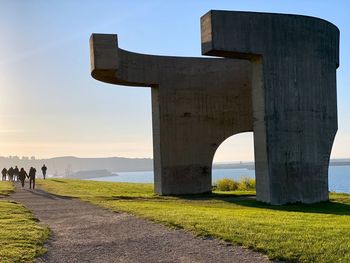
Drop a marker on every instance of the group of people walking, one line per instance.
(15, 175)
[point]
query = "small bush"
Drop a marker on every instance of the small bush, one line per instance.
(226, 184)
(244, 184)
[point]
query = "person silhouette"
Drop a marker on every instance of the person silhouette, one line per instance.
(15, 173)
(10, 172)
(44, 169)
(4, 173)
(22, 176)
(31, 176)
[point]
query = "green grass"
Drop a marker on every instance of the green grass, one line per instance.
(21, 238)
(6, 188)
(305, 233)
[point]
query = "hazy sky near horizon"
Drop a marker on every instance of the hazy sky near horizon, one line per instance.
(51, 106)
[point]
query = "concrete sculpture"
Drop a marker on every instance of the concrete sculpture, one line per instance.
(278, 79)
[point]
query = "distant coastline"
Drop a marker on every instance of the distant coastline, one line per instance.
(74, 167)
(251, 165)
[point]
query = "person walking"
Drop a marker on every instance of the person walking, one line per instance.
(4, 173)
(10, 172)
(44, 169)
(31, 176)
(22, 176)
(15, 174)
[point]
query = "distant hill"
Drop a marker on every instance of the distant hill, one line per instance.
(67, 166)
(70, 166)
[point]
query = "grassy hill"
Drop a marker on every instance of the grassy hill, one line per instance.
(305, 233)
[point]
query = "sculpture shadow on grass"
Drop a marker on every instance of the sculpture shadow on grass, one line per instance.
(330, 207)
(47, 195)
(247, 200)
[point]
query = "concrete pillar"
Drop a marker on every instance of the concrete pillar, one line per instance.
(196, 104)
(294, 61)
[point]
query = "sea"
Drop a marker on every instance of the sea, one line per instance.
(339, 177)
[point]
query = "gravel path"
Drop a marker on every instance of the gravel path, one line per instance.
(82, 232)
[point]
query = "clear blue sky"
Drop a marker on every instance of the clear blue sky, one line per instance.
(50, 105)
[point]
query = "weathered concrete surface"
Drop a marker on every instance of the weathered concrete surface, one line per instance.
(278, 80)
(294, 61)
(196, 104)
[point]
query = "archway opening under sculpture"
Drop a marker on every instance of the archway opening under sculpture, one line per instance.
(234, 158)
(277, 79)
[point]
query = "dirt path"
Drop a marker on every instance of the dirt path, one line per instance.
(82, 232)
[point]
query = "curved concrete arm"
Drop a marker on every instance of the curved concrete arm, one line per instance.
(113, 65)
(249, 34)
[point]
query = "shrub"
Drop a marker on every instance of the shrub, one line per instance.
(226, 184)
(246, 184)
